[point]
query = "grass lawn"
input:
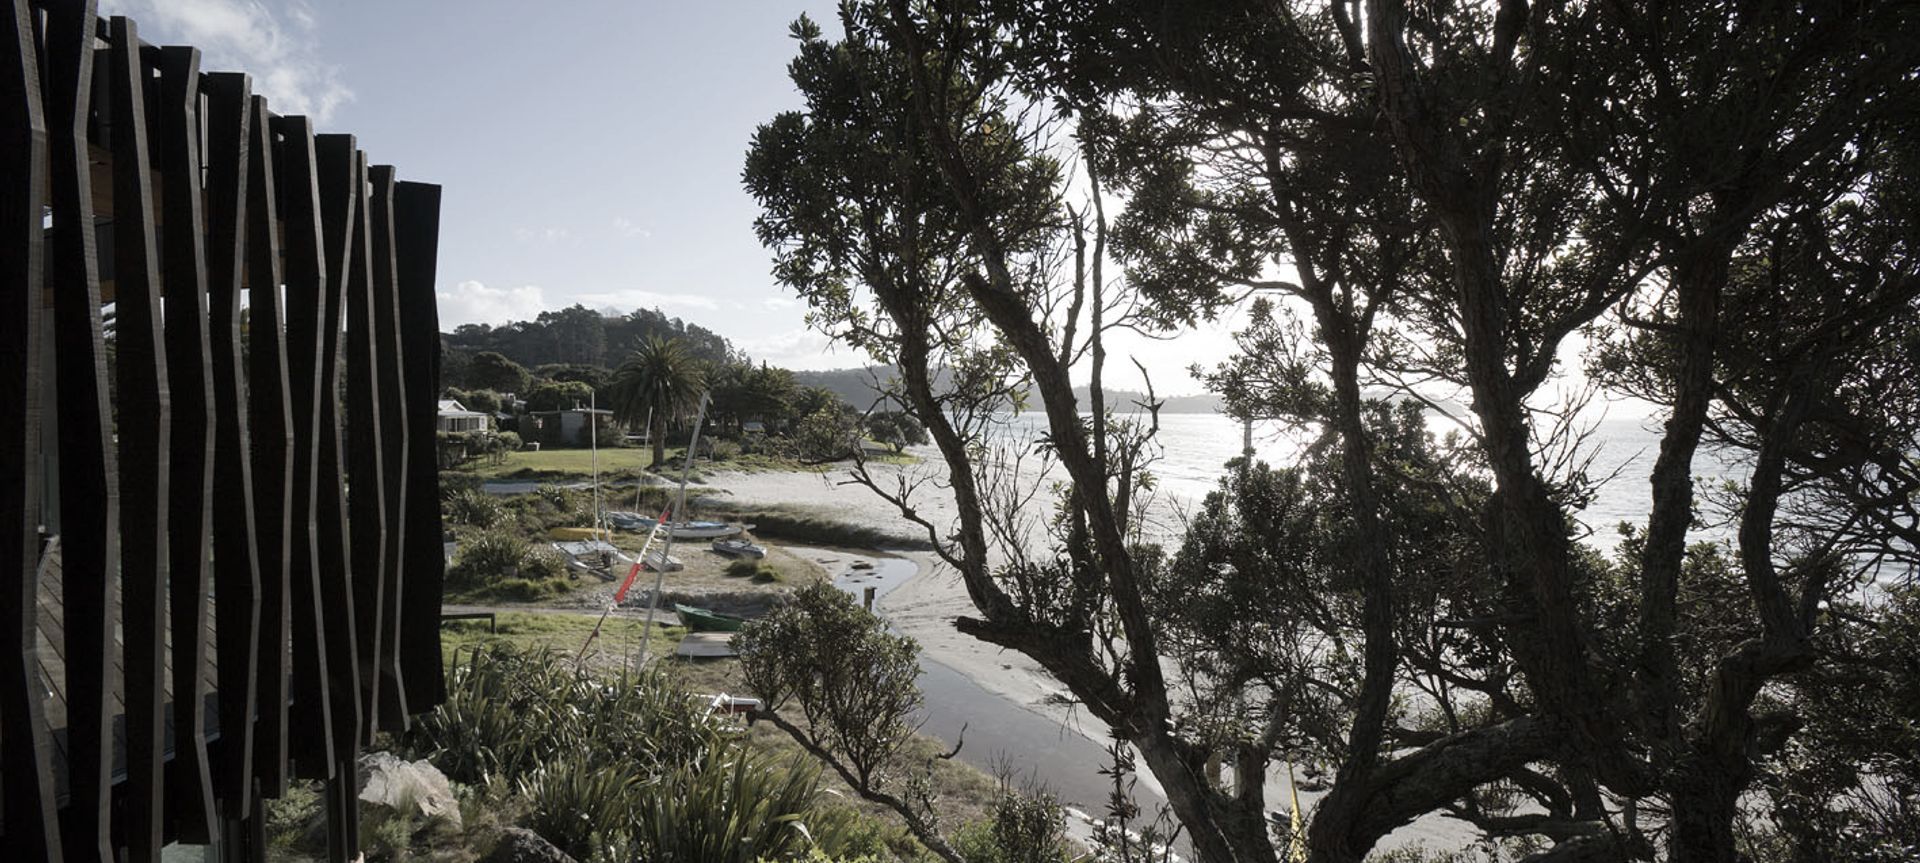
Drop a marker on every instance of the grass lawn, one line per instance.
(619, 639)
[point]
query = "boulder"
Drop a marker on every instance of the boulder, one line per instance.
(408, 787)
(520, 845)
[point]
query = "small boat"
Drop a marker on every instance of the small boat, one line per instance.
(574, 534)
(702, 620)
(623, 520)
(703, 529)
(740, 547)
(592, 556)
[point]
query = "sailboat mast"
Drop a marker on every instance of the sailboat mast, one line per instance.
(593, 438)
(679, 514)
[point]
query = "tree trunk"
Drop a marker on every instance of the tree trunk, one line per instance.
(657, 435)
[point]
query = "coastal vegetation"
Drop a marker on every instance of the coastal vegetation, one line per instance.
(1705, 206)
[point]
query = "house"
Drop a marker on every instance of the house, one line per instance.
(567, 428)
(454, 417)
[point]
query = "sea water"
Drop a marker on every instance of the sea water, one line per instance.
(1191, 451)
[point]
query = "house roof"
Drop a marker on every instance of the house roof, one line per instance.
(451, 408)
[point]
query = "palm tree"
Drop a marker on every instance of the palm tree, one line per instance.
(658, 381)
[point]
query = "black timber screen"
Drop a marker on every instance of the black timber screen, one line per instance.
(220, 551)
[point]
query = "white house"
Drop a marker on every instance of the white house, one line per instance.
(454, 417)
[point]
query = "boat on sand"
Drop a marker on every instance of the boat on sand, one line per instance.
(739, 547)
(703, 620)
(702, 529)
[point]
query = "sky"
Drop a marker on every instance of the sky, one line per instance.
(589, 152)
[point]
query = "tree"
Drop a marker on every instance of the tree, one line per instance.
(828, 434)
(897, 429)
(559, 396)
(485, 401)
(657, 384)
(1437, 196)
(591, 375)
(853, 683)
(492, 371)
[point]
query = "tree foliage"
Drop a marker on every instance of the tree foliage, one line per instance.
(658, 383)
(897, 429)
(1434, 201)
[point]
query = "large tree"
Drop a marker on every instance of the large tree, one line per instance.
(658, 383)
(492, 371)
(1441, 195)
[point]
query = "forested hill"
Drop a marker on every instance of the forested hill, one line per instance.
(578, 335)
(857, 387)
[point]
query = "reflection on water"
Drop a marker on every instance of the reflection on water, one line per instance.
(1195, 447)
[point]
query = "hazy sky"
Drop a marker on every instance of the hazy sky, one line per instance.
(590, 151)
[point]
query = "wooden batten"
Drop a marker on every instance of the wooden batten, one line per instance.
(203, 552)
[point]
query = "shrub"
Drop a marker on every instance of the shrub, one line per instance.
(735, 806)
(760, 571)
(626, 769)
(471, 506)
(487, 555)
(507, 441)
(576, 797)
(510, 712)
(498, 564)
(1022, 828)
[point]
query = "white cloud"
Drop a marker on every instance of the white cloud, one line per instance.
(626, 228)
(781, 303)
(246, 36)
(638, 299)
(801, 348)
(471, 302)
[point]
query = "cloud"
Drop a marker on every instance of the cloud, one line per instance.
(638, 299)
(800, 348)
(627, 228)
(781, 304)
(245, 36)
(471, 302)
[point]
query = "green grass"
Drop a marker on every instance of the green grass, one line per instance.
(563, 632)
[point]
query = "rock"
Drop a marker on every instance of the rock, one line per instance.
(412, 788)
(520, 845)
(865, 564)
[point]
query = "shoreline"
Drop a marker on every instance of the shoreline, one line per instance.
(924, 606)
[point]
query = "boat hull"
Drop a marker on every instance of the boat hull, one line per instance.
(702, 620)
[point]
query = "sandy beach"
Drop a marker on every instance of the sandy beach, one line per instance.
(925, 606)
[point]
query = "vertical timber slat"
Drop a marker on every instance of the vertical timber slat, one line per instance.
(392, 393)
(236, 567)
(366, 470)
(26, 747)
(271, 420)
(89, 489)
(143, 396)
(139, 199)
(339, 180)
(190, 483)
(340, 184)
(416, 231)
(311, 727)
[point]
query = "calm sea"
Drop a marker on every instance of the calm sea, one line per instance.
(1194, 448)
